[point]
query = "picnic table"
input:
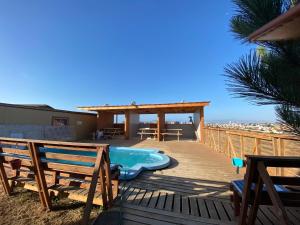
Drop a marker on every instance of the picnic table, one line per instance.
(148, 131)
(171, 132)
(112, 131)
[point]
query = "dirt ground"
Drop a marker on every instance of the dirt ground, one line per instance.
(24, 208)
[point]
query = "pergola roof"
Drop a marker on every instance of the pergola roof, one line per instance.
(284, 27)
(183, 107)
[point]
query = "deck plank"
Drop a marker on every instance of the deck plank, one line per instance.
(194, 206)
(169, 202)
(154, 199)
(161, 200)
(177, 203)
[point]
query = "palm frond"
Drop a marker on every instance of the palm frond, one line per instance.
(290, 117)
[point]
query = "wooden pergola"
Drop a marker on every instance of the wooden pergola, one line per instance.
(105, 115)
(284, 27)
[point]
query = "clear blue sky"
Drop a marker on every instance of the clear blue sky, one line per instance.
(74, 53)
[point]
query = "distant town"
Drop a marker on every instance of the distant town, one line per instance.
(274, 128)
(265, 127)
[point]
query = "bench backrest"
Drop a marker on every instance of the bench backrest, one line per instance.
(68, 157)
(15, 149)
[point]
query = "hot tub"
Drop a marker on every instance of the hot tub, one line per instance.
(135, 160)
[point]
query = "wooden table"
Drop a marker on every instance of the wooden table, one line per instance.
(112, 131)
(148, 131)
(171, 132)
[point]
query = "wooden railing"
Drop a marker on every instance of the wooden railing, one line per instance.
(238, 143)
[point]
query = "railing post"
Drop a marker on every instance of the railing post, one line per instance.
(242, 145)
(281, 153)
(219, 140)
(275, 153)
(257, 146)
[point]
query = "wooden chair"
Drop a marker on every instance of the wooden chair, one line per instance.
(79, 171)
(259, 188)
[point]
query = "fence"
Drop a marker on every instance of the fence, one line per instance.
(237, 143)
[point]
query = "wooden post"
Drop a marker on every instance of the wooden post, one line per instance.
(242, 145)
(4, 180)
(275, 153)
(127, 125)
(92, 188)
(108, 175)
(219, 140)
(257, 146)
(228, 147)
(160, 124)
(201, 125)
(39, 175)
(281, 153)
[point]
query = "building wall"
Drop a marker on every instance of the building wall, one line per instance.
(82, 124)
(134, 124)
(188, 130)
(105, 120)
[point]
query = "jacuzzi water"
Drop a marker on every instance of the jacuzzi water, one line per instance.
(131, 161)
(135, 160)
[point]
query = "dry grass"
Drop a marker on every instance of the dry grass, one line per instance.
(24, 208)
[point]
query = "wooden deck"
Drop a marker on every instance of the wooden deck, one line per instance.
(193, 190)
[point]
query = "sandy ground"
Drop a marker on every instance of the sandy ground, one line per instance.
(24, 208)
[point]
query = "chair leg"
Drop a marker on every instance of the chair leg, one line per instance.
(255, 205)
(236, 203)
(4, 180)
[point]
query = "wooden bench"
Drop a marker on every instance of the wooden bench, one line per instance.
(148, 132)
(112, 131)
(171, 132)
(259, 188)
(79, 171)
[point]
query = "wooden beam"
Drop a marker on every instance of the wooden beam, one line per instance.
(166, 106)
(92, 189)
(40, 175)
(4, 180)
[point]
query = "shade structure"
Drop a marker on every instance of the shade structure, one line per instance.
(284, 27)
(105, 114)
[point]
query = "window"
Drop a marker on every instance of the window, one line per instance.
(60, 121)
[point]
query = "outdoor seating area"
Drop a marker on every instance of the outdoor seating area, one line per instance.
(59, 169)
(161, 129)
